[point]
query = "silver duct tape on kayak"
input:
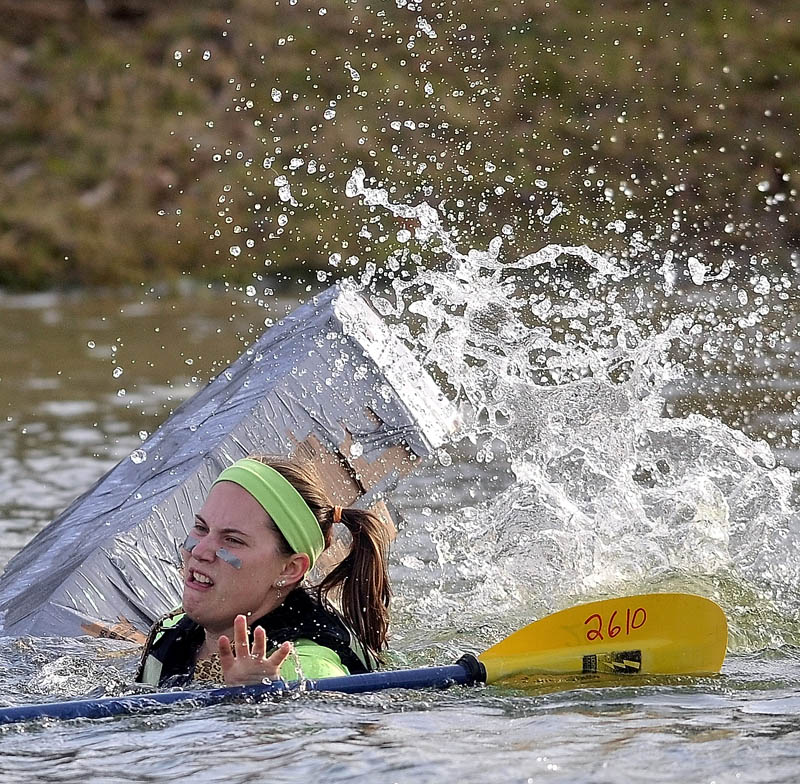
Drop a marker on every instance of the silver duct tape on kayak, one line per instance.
(329, 384)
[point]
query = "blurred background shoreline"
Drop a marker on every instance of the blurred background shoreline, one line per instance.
(143, 141)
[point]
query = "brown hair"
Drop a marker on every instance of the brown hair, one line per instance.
(361, 579)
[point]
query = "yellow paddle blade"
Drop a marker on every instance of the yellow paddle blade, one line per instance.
(660, 633)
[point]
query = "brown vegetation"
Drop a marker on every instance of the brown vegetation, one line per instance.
(679, 118)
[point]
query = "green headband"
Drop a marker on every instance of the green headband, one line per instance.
(281, 502)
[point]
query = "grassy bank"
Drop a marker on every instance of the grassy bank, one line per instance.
(143, 140)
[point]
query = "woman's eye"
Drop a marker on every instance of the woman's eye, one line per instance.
(234, 541)
(200, 528)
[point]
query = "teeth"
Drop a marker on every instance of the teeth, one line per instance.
(201, 578)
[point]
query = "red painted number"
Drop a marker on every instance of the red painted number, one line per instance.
(594, 634)
(634, 619)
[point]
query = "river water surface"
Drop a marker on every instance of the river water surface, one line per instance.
(572, 486)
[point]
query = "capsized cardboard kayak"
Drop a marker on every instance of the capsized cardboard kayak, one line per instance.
(329, 383)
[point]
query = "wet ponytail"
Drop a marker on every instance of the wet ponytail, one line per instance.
(360, 581)
(363, 580)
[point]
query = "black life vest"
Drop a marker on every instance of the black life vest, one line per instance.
(176, 639)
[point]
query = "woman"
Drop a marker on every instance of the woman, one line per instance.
(262, 527)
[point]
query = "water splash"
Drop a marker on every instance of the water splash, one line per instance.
(561, 363)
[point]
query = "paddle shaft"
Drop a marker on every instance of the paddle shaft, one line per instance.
(465, 672)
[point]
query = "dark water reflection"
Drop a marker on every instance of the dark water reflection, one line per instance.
(81, 376)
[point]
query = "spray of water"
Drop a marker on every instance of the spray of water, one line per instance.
(564, 360)
(561, 369)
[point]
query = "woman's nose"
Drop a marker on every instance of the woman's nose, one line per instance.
(205, 549)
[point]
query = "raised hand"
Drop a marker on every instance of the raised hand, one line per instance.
(250, 666)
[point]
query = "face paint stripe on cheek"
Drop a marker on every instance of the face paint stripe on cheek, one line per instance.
(229, 558)
(189, 543)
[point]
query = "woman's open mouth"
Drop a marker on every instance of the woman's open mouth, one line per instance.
(198, 580)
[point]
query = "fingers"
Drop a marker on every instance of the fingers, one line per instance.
(240, 640)
(241, 643)
(241, 670)
(259, 643)
(240, 665)
(226, 658)
(278, 657)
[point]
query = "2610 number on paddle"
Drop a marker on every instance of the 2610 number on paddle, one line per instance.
(600, 629)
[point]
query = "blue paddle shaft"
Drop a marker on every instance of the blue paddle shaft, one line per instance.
(463, 673)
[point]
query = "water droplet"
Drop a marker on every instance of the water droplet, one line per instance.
(138, 456)
(117, 372)
(234, 250)
(329, 114)
(206, 55)
(122, 392)
(276, 95)
(250, 291)
(91, 344)
(143, 435)
(425, 26)
(178, 54)
(697, 270)
(356, 449)
(354, 75)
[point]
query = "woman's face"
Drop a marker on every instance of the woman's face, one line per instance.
(243, 578)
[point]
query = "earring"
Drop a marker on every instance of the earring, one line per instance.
(281, 583)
